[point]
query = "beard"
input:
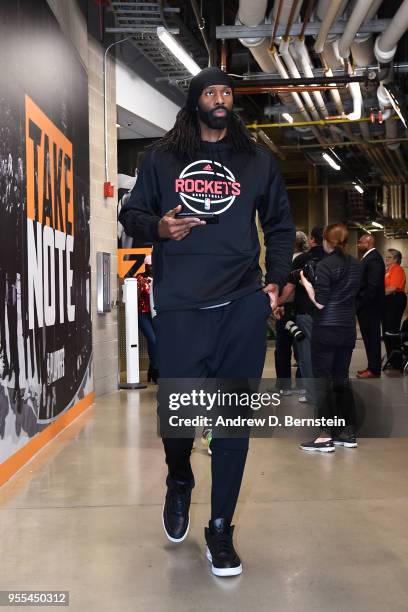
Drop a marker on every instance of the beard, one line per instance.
(211, 120)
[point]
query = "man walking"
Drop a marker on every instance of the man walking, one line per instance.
(212, 307)
(370, 304)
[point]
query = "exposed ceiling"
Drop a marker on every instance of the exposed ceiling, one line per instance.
(293, 45)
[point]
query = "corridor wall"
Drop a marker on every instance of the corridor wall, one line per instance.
(45, 289)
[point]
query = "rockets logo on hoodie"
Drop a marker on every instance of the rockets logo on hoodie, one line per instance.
(207, 186)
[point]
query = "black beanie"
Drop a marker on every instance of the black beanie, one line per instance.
(205, 78)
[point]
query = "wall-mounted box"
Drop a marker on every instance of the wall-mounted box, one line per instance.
(103, 290)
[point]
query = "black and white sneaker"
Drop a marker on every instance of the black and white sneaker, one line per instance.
(321, 447)
(220, 549)
(349, 442)
(176, 517)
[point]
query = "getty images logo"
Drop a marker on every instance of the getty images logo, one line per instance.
(207, 186)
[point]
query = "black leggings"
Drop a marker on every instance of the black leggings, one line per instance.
(332, 348)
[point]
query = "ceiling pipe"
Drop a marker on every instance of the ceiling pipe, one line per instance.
(331, 57)
(385, 200)
(333, 7)
(306, 17)
(294, 10)
(326, 80)
(324, 5)
(286, 9)
(354, 22)
(296, 98)
(294, 72)
(385, 48)
(362, 51)
(291, 58)
(282, 71)
(386, 44)
(362, 48)
(262, 89)
(328, 48)
(345, 143)
(391, 131)
(269, 143)
(251, 13)
(357, 17)
(300, 50)
(309, 123)
(306, 65)
(276, 15)
(384, 102)
(357, 101)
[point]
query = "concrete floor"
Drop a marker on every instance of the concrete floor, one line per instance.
(314, 532)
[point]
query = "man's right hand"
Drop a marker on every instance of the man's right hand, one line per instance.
(176, 229)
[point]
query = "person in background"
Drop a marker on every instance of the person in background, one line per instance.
(370, 304)
(284, 340)
(144, 282)
(336, 284)
(395, 301)
(304, 308)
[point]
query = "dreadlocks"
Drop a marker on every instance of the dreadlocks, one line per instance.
(184, 138)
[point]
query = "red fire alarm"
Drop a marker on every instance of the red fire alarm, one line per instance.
(108, 190)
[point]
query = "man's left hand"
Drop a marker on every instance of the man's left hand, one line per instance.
(273, 291)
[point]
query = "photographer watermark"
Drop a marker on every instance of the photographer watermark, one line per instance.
(242, 407)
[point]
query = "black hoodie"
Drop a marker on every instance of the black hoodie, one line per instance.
(214, 263)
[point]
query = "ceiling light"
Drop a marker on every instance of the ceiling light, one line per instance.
(359, 188)
(376, 224)
(288, 117)
(177, 50)
(331, 161)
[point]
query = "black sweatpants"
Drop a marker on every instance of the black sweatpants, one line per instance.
(224, 342)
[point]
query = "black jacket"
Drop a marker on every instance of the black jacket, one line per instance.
(372, 292)
(303, 305)
(214, 263)
(336, 285)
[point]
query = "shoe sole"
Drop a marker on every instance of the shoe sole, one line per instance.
(367, 377)
(346, 444)
(175, 540)
(318, 450)
(228, 571)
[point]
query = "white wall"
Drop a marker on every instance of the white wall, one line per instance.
(139, 98)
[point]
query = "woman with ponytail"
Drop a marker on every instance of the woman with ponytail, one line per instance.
(333, 292)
